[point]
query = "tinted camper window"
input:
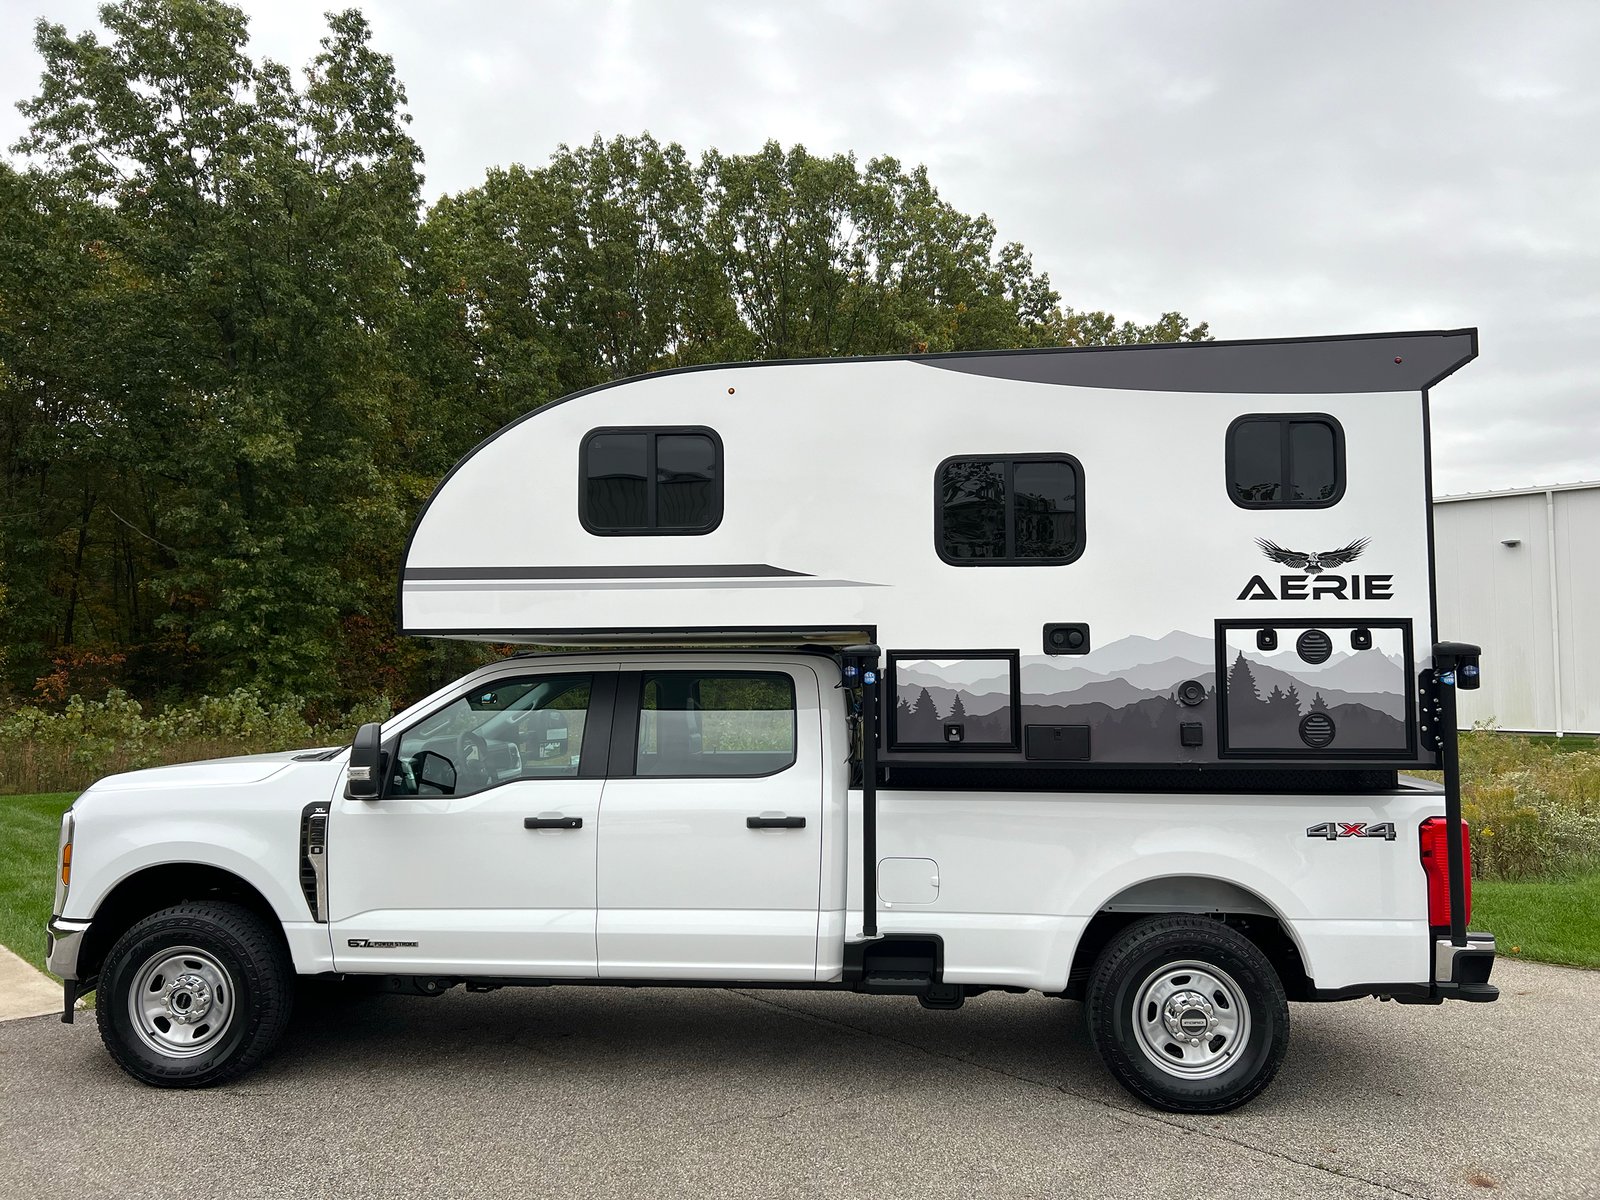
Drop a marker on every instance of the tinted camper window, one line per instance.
(1288, 460)
(1021, 511)
(644, 481)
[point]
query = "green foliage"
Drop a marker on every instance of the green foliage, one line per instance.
(71, 747)
(1534, 809)
(236, 353)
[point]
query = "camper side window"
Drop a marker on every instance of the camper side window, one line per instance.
(1285, 460)
(1008, 511)
(650, 481)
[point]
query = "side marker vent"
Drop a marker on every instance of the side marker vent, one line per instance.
(314, 858)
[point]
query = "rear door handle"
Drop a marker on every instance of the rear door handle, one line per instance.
(552, 822)
(775, 822)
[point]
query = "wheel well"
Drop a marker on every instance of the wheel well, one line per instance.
(1236, 907)
(156, 888)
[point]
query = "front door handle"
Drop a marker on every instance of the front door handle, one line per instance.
(775, 822)
(552, 822)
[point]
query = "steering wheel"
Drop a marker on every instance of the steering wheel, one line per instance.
(471, 762)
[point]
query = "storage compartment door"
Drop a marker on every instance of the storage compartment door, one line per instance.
(1316, 691)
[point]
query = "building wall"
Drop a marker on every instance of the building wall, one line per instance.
(1541, 664)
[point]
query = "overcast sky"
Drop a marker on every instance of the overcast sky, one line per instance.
(1275, 169)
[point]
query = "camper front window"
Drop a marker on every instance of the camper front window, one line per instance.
(644, 481)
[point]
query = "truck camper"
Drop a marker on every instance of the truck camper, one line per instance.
(1092, 672)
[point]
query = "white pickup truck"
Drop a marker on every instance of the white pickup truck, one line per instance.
(1152, 633)
(688, 818)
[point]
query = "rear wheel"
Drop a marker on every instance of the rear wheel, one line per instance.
(194, 995)
(1188, 1014)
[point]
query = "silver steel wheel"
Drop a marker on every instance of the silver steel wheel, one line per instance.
(181, 1001)
(1191, 1019)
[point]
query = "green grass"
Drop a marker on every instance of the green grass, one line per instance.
(30, 827)
(1551, 922)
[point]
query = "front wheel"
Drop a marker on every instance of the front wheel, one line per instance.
(1188, 1014)
(194, 995)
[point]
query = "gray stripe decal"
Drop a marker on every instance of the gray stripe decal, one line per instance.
(648, 585)
(691, 571)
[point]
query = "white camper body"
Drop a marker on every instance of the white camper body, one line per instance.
(1086, 672)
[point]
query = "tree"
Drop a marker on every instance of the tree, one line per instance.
(958, 710)
(236, 356)
(237, 407)
(1242, 682)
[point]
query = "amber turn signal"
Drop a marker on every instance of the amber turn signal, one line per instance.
(66, 863)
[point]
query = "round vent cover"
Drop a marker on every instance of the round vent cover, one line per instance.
(1191, 692)
(1314, 646)
(1316, 730)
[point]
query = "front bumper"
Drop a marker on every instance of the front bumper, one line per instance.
(63, 940)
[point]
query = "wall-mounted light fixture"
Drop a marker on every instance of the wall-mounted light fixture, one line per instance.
(1511, 541)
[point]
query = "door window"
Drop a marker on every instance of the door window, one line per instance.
(526, 728)
(718, 723)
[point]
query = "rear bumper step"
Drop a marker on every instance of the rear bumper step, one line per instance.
(1462, 972)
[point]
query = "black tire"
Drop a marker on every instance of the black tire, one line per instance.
(1227, 972)
(191, 962)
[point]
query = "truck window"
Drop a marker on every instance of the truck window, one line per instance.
(1285, 460)
(526, 728)
(1008, 511)
(715, 723)
(650, 481)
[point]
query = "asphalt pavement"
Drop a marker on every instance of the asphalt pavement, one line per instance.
(578, 1092)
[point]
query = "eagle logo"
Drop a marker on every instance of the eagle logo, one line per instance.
(1312, 563)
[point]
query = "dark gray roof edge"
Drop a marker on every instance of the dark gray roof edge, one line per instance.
(1381, 362)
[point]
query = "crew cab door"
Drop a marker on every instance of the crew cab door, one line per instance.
(479, 859)
(711, 825)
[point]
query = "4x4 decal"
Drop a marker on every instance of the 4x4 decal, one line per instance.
(1334, 830)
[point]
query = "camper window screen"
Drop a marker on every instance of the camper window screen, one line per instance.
(644, 481)
(1291, 460)
(1008, 511)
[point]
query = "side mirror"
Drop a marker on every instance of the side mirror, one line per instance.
(364, 780)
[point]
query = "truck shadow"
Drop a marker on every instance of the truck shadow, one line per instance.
(790, 1042)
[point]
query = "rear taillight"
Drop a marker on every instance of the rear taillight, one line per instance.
(1436, 865)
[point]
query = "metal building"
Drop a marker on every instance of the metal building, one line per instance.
(1519, 573)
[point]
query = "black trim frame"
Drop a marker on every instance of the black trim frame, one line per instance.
(1010, 462)
(1011, 658)
(1305, 753)
(651, 434)
(1286, 422)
